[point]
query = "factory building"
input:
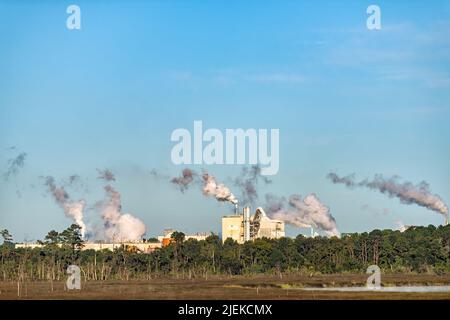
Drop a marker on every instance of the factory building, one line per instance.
(132, 246)
(243, 227)
(142, 247)
(239, 227)
(166, 239)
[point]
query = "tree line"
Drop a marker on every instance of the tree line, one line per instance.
(418, 249)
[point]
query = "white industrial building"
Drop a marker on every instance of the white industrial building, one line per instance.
(240, 227)
(243, 227)
(141, 246)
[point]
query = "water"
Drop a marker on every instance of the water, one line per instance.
(385, 289)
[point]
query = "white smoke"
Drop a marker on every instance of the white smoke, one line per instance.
(218, 190)
(406, 192)
(75, 210)
(119, 226)
(208, 183)
(306, 213)
(400, 226)
(72, 209)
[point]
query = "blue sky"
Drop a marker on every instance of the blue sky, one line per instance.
(109, 95)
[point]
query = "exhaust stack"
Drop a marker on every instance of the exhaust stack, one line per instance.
(246, 220)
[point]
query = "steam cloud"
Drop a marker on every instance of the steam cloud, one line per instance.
(406, 192)
(72, 209)
(209, 185)
(248, 183)
(119, 226)
(217, 190)
(309, 212)
(400, 226)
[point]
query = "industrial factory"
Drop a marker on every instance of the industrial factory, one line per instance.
(243, 227)
(240, 227)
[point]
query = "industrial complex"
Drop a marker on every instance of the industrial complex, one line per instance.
(240, 226)
(243, 227)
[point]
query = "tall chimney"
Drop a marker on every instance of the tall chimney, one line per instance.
(246, 218)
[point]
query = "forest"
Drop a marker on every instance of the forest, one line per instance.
(417, 250)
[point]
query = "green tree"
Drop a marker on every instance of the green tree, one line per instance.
(6, 235)
(52, 238)
(71, 237)
(6, 251)
(178, 237)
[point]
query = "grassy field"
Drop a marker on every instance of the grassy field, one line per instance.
(255, 287)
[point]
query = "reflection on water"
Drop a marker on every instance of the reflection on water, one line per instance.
(385, 289)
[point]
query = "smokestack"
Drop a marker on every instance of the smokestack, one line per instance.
(246, 219)
(236, 208)
(446, 220)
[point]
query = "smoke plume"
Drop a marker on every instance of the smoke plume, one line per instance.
(14, 165)
(119, 226)
(106, 175)
(248, 182)
(72, 209)
(76, 183)
(347, 181)
(406, 192)
(187, 178)
(217, 190)
(158, 175)
(73, 179)
(400, 226)
(208, 183)
(309, 212)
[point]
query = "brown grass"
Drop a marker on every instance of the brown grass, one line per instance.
(255, 287)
